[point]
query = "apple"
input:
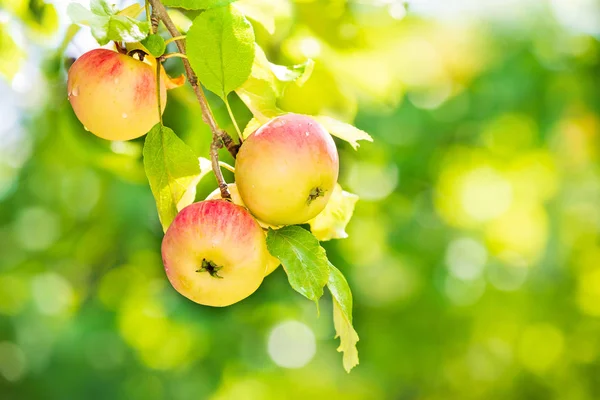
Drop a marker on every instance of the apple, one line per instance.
(272, 262)
(215, 253)
(114, 94)
(286, 170)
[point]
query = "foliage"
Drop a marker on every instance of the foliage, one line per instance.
(471, 255)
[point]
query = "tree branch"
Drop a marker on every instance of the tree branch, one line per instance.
(214, 158)
(161, 12)
(220, 137)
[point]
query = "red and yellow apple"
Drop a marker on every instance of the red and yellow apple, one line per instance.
(272, 262)
(114, 94)
(287, 169)
(215, 253)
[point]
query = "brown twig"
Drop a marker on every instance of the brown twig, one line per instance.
(153, 18)
(214, 159)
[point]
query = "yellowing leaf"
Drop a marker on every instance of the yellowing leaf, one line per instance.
(342, 317)
(252, 126)
(259, 11)
(266, 84)
(331, 222)
(343, 130)
(348, 337)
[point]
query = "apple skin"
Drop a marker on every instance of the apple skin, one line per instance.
(114, 95)
(287, 169)
(272, 262)
(224, 234)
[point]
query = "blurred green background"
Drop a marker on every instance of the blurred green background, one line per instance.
(474, 252)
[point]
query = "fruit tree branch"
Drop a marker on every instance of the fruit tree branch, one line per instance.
(220, 137)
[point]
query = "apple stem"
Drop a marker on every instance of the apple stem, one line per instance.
(220, 137)
(214, 159)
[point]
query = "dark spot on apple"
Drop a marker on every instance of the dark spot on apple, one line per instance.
(314, 194)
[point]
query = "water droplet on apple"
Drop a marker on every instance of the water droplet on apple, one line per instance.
(85, 127)
(74, 91)
(124, 115)
(306, 133)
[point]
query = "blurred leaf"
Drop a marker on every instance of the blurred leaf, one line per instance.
(155, 44)
(344, 131)
(42, 17)
(258, 11)
(331, 222)
(173, 172)
(342, 317)
(197, 4)
(107, 24)
(220, 49)
(266, 85)
(322, 94)
(12, 56)
(303, 259)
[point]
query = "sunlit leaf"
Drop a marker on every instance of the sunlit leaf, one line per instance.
(220, 46)
(258, 11)
(252, 125)
(342, 317)
(344, 131)
(173, 171)
(303, 259)
(107, 23)
(266, 84)
(12, 55)
(331, 222)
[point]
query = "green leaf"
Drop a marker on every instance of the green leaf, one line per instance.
(342, 317)
(12, 55)
(155, 45)
(107, 23)
(173, 171)
(266, 84)
(220, 49)
(197, 4)
(126, 29)
(343, 130)
(331, 222)
(303, 259)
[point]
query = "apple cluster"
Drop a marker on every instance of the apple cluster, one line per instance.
(214, 251)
